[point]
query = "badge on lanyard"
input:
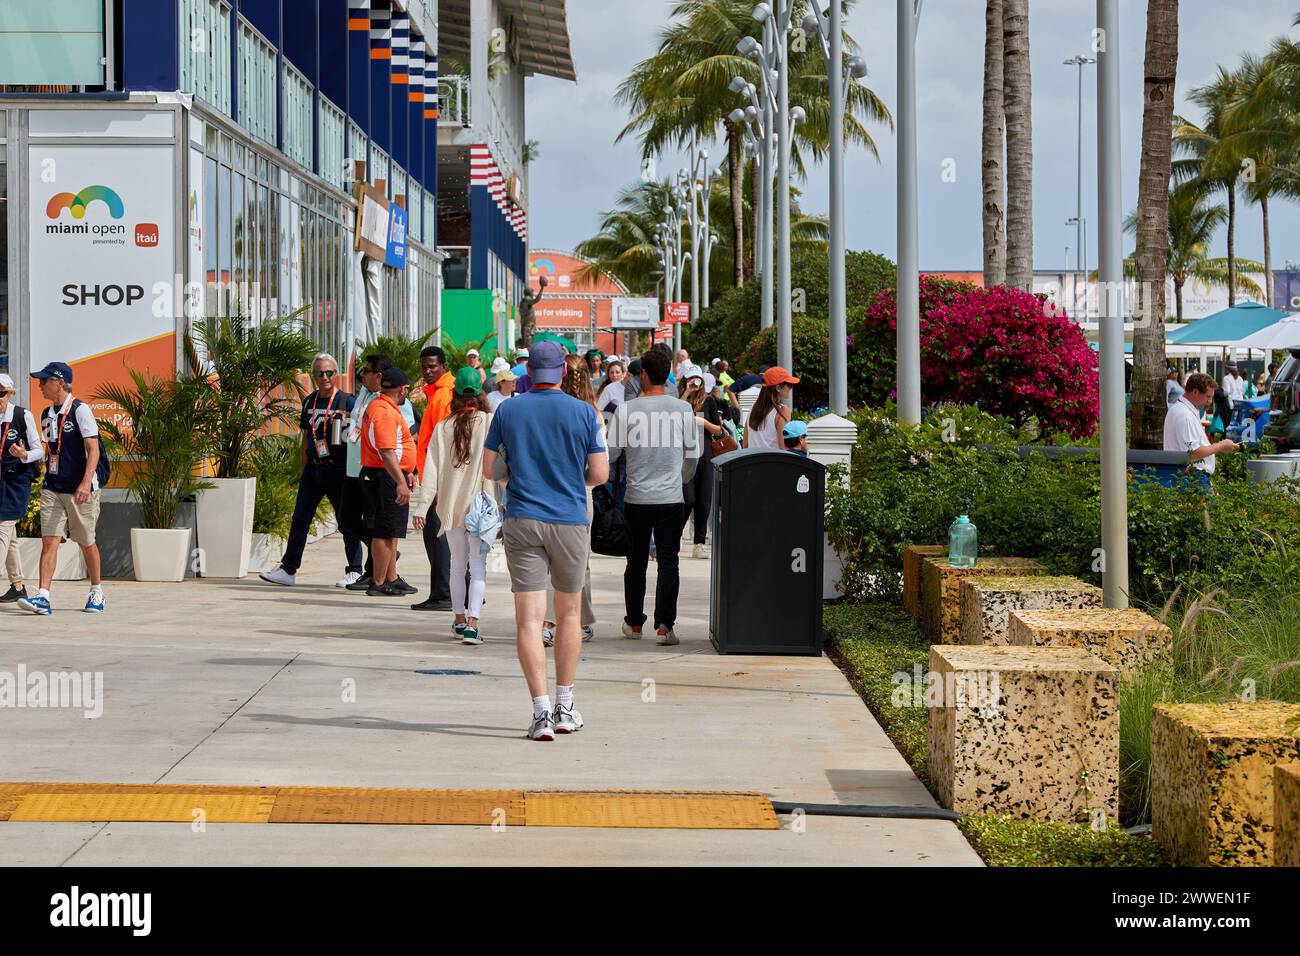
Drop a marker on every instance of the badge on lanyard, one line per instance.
(322, 449)
(54, 465)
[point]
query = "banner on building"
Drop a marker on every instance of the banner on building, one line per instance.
(677, 313)
(102, 257)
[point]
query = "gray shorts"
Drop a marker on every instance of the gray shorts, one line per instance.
(62, 517)
(544, 556)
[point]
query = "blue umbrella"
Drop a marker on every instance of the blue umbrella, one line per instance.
(1226, 328)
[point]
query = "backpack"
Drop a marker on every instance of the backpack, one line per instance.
(609, 532)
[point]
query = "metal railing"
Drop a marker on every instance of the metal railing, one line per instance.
(453, 100)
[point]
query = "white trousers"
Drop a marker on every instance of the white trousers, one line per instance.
(467, 552)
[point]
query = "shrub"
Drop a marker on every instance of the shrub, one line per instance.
(808, 340)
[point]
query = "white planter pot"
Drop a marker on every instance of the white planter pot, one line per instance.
(160, 554)
(71, 564)
(265, 553)
(225, 526)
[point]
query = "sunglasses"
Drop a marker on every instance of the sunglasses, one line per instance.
(5, 393)
(324, 373)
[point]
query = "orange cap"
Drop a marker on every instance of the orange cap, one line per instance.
(776, 375)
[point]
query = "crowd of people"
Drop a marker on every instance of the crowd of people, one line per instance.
(515, 451)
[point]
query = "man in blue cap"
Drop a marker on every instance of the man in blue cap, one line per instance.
(70, 497)
(555, 451)
(795, 437)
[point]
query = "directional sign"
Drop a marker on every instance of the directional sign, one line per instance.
(677, 312)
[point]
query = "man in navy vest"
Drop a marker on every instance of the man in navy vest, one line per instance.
(20, 455)
(70, 497)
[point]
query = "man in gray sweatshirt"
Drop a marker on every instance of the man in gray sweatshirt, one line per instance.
(657, 436)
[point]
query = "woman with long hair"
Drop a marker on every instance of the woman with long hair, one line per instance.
(614, 375)
(453, 472)
(698, 492)
(576, 382)
(770, 412)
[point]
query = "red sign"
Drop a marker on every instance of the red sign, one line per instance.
(677, 312)
(146, 235)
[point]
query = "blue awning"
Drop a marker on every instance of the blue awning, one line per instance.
(1228, 327)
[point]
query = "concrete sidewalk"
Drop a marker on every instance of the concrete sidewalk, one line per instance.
(241, 682)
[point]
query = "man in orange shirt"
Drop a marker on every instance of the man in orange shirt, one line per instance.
(387, 477)
(439, 386)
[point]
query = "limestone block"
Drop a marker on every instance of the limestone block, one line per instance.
(912, 557)
(1030, 732)
(1286, 815)
(1212, 780)
(1129, 639)
(941, 597)
(987, 601)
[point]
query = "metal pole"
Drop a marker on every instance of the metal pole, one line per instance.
(769, 159)
(909, 289)
(1078, 226)
(839, 354)
(708, 236)
(1110, 214)
(784, 317)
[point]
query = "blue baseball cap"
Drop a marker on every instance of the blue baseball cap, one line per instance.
(795, 429)
(546, 363)
(55, 370)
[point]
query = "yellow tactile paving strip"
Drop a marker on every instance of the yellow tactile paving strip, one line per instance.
(180, 803)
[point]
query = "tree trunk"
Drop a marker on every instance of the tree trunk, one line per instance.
(992, 146)
(1268, 255)
(736, 171)
(1232, 243)
(1178, 299)
(1152, 256)
(751, 260)
(1016, 97)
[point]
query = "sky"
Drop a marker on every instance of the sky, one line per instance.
(581, 169)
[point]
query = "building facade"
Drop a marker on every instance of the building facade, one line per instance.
(161, 160)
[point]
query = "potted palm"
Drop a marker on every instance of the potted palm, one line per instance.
(165, 436)
(252, 383)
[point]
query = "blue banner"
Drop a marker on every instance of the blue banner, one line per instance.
(397, 219)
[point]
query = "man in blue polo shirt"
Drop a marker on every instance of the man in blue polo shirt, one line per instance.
(555, 452)
(70, 496)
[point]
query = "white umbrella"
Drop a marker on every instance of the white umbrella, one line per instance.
(1284, 334)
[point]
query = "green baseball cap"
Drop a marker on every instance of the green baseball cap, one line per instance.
(469, 382)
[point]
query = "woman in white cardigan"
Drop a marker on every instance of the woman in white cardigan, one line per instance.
(453, 474)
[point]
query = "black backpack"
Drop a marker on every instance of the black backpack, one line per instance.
(609, 533)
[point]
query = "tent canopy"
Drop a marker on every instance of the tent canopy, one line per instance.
(1226, 328)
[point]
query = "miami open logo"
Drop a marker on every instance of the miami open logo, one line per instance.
(105, 233)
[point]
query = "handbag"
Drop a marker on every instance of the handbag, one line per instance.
(725, 442)
(609, 532)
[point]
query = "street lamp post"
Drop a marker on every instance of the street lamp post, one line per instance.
(828, 28)
(1110, 210)
(1080, 62)
(757, 123)
(909, 288)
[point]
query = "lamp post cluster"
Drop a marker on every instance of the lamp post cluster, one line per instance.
(688, 206)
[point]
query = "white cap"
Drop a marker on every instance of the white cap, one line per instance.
(710, 383)
(471, 352)
(690, 371)
(6, 383)
(521, 352)
(715, 361)
(499, 365)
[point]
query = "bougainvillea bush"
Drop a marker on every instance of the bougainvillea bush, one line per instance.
(1004, 350)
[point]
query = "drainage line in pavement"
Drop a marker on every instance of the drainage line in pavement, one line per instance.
(863, 810)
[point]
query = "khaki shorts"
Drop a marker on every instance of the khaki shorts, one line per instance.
(544, 556)
(62, 517)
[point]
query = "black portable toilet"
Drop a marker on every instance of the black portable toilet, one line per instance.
(768, 520)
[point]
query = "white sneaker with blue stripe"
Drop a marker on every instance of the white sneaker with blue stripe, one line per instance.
(95, 602)
(37, 605)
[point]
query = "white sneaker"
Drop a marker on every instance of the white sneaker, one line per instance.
(588, 632)
(278, 576)
(630, 634)
(542, 728)
(548, 635)
(567, 720)
(667, 636)
(352, 577)
(698, 552)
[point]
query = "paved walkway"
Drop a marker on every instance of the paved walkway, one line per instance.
(240, 682)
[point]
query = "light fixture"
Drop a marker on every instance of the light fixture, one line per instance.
(737, 116)
(739, 84)
(857, 67)
(762, 13)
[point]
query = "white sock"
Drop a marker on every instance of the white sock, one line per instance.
(44, 592)
(541, 705)
(564, 695)
(96, 588)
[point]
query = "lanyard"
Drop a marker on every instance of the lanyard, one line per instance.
(58, 432)
(315, 404)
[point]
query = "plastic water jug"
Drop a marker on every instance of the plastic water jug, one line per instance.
(963, 543)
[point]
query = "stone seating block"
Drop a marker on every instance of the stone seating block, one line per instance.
(1029, 732)
(1212, 779)
(913, 554)
(941, 595)
(986, 602)
(1286, 815)
(1129, 639)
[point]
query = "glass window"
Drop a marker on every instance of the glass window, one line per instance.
(212, 277)
(240, 276)
(226, 250)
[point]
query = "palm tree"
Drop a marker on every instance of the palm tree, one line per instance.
(991, 147)
(1152, 225)
(1191, 229)
(684, 88)
(1208, 155)
(1016, 97)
